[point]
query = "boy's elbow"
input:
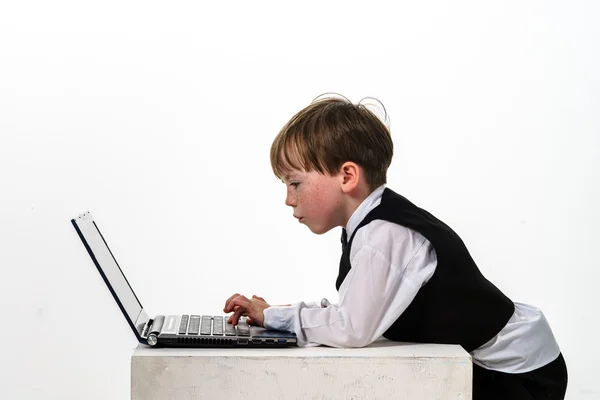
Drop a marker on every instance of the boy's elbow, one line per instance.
(354, 340)
(357, 343)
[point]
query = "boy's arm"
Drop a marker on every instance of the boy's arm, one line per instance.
(324, 303)
(253, 308)
(381, 284)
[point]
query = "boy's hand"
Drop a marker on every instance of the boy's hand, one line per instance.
(242, 306)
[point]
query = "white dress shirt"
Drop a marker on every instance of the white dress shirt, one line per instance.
(390, 263)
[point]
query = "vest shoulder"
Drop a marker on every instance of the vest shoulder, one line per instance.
(377, 229)
(388, 238)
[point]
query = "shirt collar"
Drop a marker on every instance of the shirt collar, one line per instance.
(372, 201)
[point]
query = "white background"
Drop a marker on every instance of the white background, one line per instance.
(158, 118)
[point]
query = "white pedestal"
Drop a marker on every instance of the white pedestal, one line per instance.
(383, 370)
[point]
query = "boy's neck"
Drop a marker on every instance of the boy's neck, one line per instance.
(353, 200)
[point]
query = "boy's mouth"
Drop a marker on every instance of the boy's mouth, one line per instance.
(299, 218)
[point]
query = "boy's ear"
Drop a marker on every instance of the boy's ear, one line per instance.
(350, 176)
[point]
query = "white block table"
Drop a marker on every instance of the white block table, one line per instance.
(383, 370)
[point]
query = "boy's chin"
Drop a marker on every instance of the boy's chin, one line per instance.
(319, 230)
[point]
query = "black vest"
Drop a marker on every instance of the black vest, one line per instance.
(457, 305)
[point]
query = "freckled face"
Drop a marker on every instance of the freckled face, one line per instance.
(316, 200)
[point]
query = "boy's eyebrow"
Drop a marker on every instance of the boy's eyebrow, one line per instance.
(291, 176)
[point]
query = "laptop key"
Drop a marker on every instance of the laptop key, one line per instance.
(230, 329)
(218, 326)
(243, 329)
(183, 324)
(194, 325)
(205, 327)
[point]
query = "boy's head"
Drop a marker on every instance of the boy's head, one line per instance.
(337, 148)
(329, 132)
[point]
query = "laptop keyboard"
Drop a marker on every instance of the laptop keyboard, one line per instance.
(211, 325)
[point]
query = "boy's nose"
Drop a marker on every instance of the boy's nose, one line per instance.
(289, 201)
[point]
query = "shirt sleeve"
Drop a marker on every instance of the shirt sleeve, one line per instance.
(390, 263)
(313, 304)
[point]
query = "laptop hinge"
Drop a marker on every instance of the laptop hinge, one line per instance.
(147, 328)
(155, 325)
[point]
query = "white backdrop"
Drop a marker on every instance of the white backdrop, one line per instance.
(158, 118)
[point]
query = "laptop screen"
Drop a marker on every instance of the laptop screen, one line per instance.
(108, 267)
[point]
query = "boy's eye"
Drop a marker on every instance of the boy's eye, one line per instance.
(295, 184)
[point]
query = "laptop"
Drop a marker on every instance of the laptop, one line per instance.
(193, 330)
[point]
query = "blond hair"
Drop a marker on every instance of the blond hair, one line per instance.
(330, 132)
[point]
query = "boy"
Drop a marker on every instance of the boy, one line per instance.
(403, 273)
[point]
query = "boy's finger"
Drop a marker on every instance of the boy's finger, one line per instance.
(229, 300)
(227, 307)
(240, 301)
(230, 318)
(236, 315)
